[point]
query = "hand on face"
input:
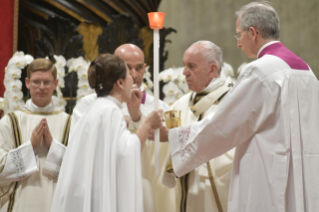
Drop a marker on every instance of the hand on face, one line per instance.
(136, 98)
(133, 105)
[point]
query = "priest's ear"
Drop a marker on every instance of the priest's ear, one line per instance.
(27, 82)
(213, 70)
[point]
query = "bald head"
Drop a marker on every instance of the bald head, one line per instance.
(134, 58)
(129, 51)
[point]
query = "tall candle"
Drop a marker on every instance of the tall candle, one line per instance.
(156, 20)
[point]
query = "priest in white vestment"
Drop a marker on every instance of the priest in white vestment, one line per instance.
(32, 145)
(157, 197)
(101, 169)
(205, 188)
(270, 116)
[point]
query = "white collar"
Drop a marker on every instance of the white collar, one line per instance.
(30, 106)
(214, 84)
(115, 100)
(264, 46)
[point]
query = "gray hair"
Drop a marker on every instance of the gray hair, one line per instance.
(211, 52)
(261, 16)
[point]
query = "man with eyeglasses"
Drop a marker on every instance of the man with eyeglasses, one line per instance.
(32, 144)
(270, 116)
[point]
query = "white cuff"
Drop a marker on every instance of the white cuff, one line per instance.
(54, 159)
(21, 162)
(169, 179)
(133, 126)
(173, 141)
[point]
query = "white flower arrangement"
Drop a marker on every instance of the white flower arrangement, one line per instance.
(58, 100)
(227, 72)
(175, 86)
(241, 67)
(2, 106)
(148, 85)
(80, 66)
(13, 95)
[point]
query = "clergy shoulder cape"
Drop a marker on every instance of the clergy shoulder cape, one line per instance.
(28, 177)
(271, 117)
(200, 196)
(101, 170)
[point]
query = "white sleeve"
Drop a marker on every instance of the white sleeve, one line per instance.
(133, 126)
(168, 178)
(241, 113)
(21, 162)
(54, 159)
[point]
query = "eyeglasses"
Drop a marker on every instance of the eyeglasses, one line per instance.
(46, 83)
(236, 35)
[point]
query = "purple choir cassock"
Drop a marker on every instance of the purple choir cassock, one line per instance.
(271, 117)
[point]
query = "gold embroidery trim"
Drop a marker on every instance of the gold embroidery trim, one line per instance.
(39, 113)
(183, 179)
(66, 131)
(170, 168)
(184, 187)
(15, 129)
(18, 141)
(221, 98)
(12, 198)
(213, 185)
(6, 191)
(18, 129)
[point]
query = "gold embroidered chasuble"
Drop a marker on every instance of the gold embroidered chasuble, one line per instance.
(194, 191)
(28, 177)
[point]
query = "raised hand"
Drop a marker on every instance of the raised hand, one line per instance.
(134, 105)
(47, 137)
(36, 136)
(136, 98)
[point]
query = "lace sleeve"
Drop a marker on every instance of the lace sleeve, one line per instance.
(54, 159)
(183, 136)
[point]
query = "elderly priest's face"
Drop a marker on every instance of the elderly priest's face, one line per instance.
(198, 72)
